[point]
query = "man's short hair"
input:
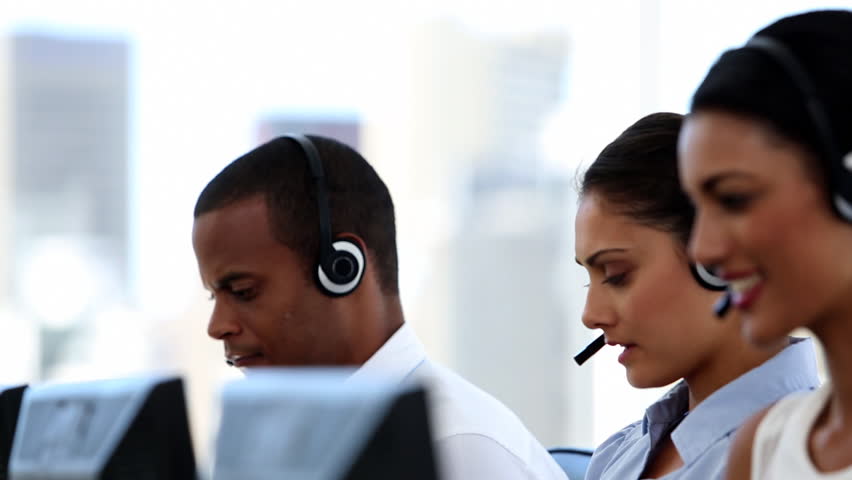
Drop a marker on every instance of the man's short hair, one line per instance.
(359, 201)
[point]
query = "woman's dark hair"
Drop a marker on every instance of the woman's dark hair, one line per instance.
(637, 176)
(748, 81)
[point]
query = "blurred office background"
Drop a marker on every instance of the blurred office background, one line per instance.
(477, 114)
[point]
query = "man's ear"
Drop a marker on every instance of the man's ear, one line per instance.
(354, 239)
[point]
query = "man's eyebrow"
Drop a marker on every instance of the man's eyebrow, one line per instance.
(590, 261)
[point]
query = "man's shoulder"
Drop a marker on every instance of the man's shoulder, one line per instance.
(469, 455)
(463, 408)
(464, 414)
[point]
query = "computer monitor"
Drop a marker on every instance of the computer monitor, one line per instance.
(314, 425)
(10, 405)
(128, 429)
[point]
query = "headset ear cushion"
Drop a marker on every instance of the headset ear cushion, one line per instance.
(842, 206)
(706, 279)
(342, 272)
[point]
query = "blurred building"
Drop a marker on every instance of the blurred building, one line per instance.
(344, 127)
(492, 298)
(64, 154)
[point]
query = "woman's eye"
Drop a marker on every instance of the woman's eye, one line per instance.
(616, 280)
(734, 202)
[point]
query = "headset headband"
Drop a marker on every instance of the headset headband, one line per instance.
(321, 190)
(839, 172)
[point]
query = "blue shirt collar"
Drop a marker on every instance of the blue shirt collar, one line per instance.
(792, 369)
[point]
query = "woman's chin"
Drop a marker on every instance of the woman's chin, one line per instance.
(644, 379)
(761, 332)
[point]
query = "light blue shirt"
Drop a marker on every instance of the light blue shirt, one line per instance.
(703, 436)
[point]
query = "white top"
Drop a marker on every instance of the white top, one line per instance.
(780, 448)
(476, 436)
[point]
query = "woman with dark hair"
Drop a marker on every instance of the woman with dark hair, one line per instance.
(632, 229)
(766, 156)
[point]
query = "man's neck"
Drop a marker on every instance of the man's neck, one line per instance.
(376, 328)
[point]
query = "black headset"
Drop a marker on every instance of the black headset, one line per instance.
(840, 166)
(340, 266)
(706, 278)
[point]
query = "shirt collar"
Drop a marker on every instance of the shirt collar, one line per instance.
(666, 411)
(792, 369)
(396, 359)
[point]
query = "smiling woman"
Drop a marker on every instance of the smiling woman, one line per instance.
(632, 229)
(766, 156)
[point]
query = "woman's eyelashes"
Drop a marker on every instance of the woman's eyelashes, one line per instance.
(615, 274)
(734, 202)
(734, 195)
(616, 280)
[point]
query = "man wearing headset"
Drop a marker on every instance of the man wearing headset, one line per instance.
(296, 243)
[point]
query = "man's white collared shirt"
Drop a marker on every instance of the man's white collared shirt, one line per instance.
(476, 436)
